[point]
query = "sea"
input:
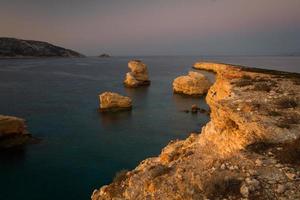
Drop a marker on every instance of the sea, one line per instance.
(79, 149)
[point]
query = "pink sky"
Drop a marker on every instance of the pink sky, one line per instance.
(156, 27)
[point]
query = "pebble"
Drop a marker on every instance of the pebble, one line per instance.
(258, 162)
(291, 176)
(278, 165)
(281, 189)
(244, 190)
(223, 166)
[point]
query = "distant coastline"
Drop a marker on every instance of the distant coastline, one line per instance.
(19, 48)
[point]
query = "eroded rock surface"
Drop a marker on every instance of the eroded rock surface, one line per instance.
(13, 131)
(138, 75)
(249, 150)
(112, 102)
(194, 84)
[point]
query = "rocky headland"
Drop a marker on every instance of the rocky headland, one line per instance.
(194, 84)
(13, 132)
(249, 150)
(18, 48)
(138, 75)
(113, 102)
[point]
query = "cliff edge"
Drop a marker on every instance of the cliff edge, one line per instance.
(249, 150)
(17, 48)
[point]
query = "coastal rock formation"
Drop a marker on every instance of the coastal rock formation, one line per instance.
(17, 48)
(138, 75)
(112, 102)
(104, 55)
(249, 150)
(194, 84)
(12, 131)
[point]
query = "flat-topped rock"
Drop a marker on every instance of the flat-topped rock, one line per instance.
(13, 131)
(138, 75)
(194, 84)
(113, 102)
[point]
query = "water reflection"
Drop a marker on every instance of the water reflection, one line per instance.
(111, 119)
(184, 102)
(12, 156)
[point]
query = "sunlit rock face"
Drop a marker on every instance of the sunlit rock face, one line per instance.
(249, 150)
(194, 84)
(13, 131)
(113, 102)
(138, 75)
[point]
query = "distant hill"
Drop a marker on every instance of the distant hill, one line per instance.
(18, 48)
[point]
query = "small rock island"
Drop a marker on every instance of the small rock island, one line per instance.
(18, 48)
(194, 84)
(13, 132)
(104, 55)
(113, 102)
(138, 75)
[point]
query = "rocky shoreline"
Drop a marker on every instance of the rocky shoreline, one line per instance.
(249, 150)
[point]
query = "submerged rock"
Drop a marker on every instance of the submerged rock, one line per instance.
(13, 132)
(194, 84)
(138, 75)
(112, 102)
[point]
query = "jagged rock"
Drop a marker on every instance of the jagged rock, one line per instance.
(112, 102)
(138, 75)
(193, 167)
(15, 48)
(194, 84)
(13, 132)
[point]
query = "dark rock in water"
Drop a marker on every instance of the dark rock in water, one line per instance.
(104, 55)
(17, 48)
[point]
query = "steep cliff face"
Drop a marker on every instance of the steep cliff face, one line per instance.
(250, 148)
(15, 48)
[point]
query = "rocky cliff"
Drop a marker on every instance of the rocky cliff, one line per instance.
(249, 150)
(15, 48)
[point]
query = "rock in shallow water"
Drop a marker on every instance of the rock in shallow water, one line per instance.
(112, 102)
(138, 75)
(194, 84)
(13, 132)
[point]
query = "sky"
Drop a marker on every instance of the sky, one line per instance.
(157, 27)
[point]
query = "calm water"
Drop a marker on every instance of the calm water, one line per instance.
(81, 149)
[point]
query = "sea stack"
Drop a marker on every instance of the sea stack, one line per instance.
(194, 84)
(113, 102)
(138, 75)
(13, 132)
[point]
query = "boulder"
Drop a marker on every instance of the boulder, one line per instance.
(138, 75)
(112, 102)
(13, 131)
(194, 84)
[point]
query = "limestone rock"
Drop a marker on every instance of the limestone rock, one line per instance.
(138, 75)
(13, 131)
(194, 84)
(112, 102)
(238, 138)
